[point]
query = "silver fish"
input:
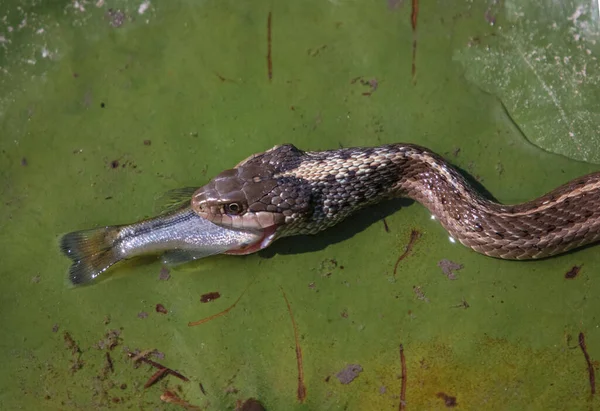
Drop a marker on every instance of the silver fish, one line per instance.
(180, 235)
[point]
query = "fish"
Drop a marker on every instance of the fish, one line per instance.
(179, 234)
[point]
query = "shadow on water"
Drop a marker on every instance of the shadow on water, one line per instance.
(353, 225)
(341, 232)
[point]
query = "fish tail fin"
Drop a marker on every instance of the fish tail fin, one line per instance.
(92, 252)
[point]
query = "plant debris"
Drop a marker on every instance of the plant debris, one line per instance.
(420, 294)
(138, 357)
(171, 397)
(327, 266)
(349, 374)
(202, 388)
(449, 267)
(157, 376)
(372, 84)
(590, 365)
(208, 297)
(251, 404)
(403, 379)
(122, 162)
(464, 304)
(116, 18)
(413, 20)
(110, 341)
(269, 57)
(301, 392)
(449, 401)
(164, 274)
(223, 80)
(225, 311)
(70, 343)
(230, 389)
(108, 367)
(76, 361)
(573, 272)
(109, 362)
(414, 236)
(142, 315)
(316, 51)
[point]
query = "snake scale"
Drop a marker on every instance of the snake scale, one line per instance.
(286, 191)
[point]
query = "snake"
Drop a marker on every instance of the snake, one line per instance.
(286, 191)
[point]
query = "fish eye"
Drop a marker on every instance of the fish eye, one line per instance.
(233, 208)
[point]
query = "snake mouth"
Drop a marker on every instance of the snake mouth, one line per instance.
(268, 236)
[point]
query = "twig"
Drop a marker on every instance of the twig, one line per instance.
(202, 388)
(156, 376)
(135, 358)
(590, 366)
(414, 236)
(162, 369)
(402, 405)
(301, 386)
(413, 20)
(414, 13)
(109, 362)
(269, 61)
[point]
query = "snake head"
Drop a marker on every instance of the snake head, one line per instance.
(250, 197)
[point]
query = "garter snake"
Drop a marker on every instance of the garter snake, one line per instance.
(286, 191)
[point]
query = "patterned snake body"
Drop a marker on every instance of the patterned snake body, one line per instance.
(285, 191)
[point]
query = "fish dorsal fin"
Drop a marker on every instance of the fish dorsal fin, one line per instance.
(174, 199)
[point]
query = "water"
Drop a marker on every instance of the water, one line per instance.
(96, 130)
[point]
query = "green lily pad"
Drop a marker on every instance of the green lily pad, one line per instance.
(107, 105)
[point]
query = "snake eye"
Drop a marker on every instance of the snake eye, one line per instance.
(233, 208)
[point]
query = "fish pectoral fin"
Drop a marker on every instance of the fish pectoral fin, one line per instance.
(176, 257)
(174, 199)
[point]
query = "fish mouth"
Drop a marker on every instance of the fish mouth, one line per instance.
(265, 240)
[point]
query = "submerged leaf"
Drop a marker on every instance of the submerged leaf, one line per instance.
(543, 64)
